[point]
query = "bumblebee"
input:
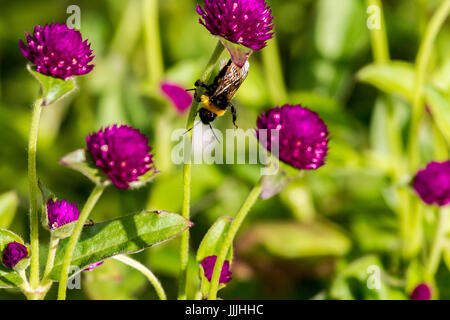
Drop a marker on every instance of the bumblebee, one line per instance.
(217, 96)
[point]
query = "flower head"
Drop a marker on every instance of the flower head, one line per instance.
(246, 22)
(208, 264)
(13, 253)
(93, 266)
(303, 141)
(421, 292)
(57, 51)
(61, 212)
(432, 184)
(122, 152)
(179, 97)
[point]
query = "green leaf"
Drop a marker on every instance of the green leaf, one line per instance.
(213, 240)
(9, 202)
(8, 278)
(395, 77)
(335, 34)
(52, 89)
(124, 235)
(79, 161)
(439, 103)
(299, 240)
(210, 246)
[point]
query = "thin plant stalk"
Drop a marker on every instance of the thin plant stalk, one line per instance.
(234, 227)
(154, 57)
(89, 205)
(274, 73)
(184, 248)
(34, 193)
(146, 272)
(438, 244)
(378, 36)
(422, 64)
(53, 245)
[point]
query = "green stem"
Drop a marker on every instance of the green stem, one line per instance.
(438, 244)
(380, 46)
(184, 247)
(412, 242)
(422, 63)
(155, 65)
(53, 245)
(88, 206)
(274, 73)
(34, 192)
(146, 272)
(234, 227)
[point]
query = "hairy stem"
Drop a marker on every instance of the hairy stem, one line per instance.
(146, 272)
(88, 206)
(234, 227)
(184, 248)
(34, 192)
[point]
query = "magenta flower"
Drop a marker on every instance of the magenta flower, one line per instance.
(179, 97)
(93, 266)
(208, 264)
(60, 213)
(13, 253)
(246, 22)
(303, 141)
(432, 184)
(421, 292)
(122, 152)
(57, 51)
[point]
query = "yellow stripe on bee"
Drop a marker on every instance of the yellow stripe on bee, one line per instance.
(212, 107)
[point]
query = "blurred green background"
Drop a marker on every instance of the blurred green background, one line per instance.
(314, 240)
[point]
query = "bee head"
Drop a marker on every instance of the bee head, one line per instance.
(206, 116)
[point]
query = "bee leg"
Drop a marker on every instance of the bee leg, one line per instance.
(233, 113)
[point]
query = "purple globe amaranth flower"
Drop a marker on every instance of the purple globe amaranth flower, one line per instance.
(208, 264)
(122, 152)
(60, 213)
(13, 253)
(179, 97)
(57, 51)
(246, 22)
(303, 136)
(421, 292)
(93, 266)
(432, 184)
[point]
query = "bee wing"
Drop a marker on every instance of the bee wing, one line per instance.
(232, 80)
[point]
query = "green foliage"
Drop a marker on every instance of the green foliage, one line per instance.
(52, 89)
(8, 206)
(124, 235)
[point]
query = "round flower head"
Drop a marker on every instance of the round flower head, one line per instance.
(179, 97)
(13, 253)
(122, 152)
(303, 141)
(246, 22)
(208, 268)
(421, 292)
(432, 184)
(60, 213)
(57, 51)
(93, 266)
